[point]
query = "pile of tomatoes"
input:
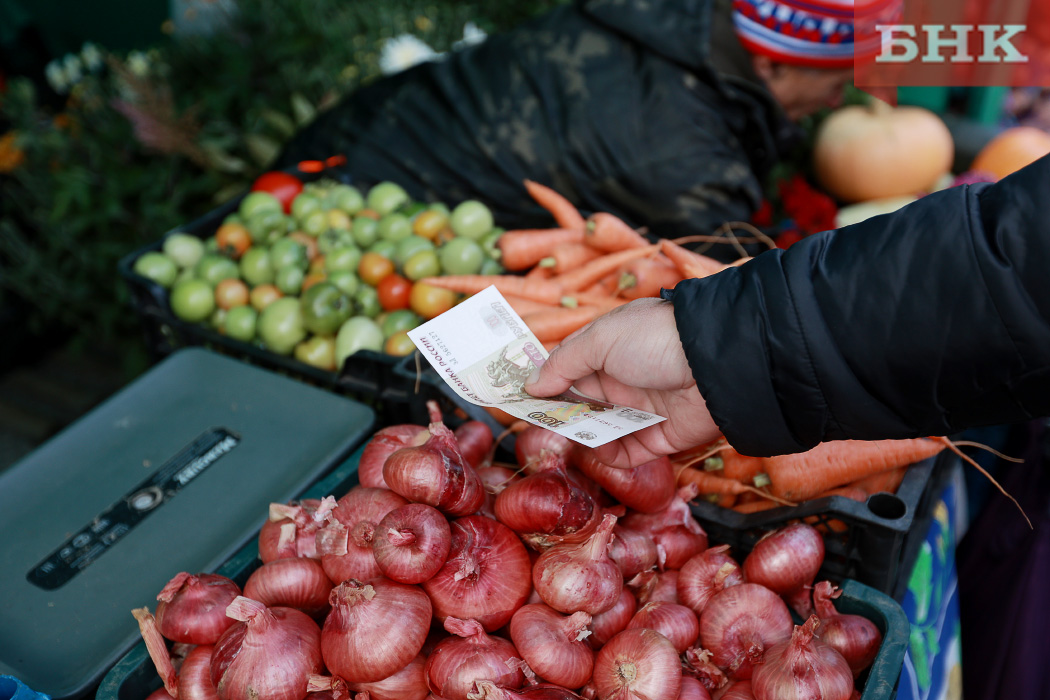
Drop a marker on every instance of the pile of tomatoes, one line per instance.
(320, 270)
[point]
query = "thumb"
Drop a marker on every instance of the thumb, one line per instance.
(568, 362)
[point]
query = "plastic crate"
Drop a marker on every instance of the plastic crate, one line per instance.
(367, 376)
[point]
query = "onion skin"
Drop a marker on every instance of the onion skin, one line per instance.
(345, 543)
(553, 644)
(290, 529)
(803, 668)
(195, 675)
(486, 575)
(606, 625)
(698, 664)
(705, 574)
(573, 577)
(786, 561)
(192, 609)
(647, 488)
(457, 662)
(674, 529)
(298, 583)
(410, 683)
(741, 690)
(854, 636)
(740, 623)
(534, 439)
(676, 622)
(637, 664)
(475, 440)
(487, 690)
(383, 444)
(633, 551)
(655, 586)
(547, 507)
(270, 653)
(375, 629)
(436, 473)
(411, 543)
(692, 689)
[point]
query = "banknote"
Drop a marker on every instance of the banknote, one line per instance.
(485, 352)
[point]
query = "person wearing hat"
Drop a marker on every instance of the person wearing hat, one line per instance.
(667, 113)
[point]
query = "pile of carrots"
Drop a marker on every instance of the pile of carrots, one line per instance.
(562, 278)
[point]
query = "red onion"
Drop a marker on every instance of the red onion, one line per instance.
(676, 622)
(553, 644)
(606, 625)
(494, 478)
(410, 683)
(475, 440)
(534, 439)
(345, 543)
(457, 662)
(195, 675)
(412, 542)
(269, 653)
(298, 583)
(160, 693)
(637, 664)
(436, 473)
(192, 609)
(692, 689)
(486, 575)
(487, 690)
(674, 529)
(803, 668)
(647, 488)
(633, 551)
(698, 664)
(741, 690)
(290, 530)
(786, 561)
(573, 577)
(375, 629)
(654, 586)
(547, 507)
(157, 649)
(854, 636)
(740, 623)
(383, 444)
(705, 574)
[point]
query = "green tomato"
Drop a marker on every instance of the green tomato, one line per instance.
(217, 320)
(314, 223)
(289, 279)
(288, 251)
(491, 267)
(240, 323)
(412, 209)
(304, 204)
(395, 227)
(192, 300)
(385, 248)
(325, 307)
(233, 218)
(471, 219)
(357, 333)
(334, 238)
(214, 268)
(365, 231)
(157, 267)
(366, 301)
(441, 207)
(185, 249)
(490, 243)
(280, 325)
(258, 201)
(267, 225)
(346, 280)
(211, 245)
(409, 246)
(255, 266)
(190, 273)
(461, 256)
(399, 320)
(386, 196)
(345, 197)
(423, 264)
(342, 258)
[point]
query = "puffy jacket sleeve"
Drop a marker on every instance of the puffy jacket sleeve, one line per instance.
(927, 321)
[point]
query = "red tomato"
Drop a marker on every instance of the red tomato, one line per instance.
(394, 291)
(283, 186)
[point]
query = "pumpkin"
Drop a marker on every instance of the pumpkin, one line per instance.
(865, 152)
(1011, 150)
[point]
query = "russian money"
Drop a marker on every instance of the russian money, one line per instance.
(485, 352)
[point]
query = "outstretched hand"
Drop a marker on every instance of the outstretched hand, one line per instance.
(633, 356)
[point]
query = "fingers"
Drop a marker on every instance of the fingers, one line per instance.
(575, 358)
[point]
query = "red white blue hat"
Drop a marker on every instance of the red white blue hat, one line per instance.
(815, 33)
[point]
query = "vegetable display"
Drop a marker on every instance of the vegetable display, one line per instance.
(456, 604)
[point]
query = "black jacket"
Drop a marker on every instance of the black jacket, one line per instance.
(648, 109)
(927, 321)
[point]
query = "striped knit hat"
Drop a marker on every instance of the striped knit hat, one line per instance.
(814, 33)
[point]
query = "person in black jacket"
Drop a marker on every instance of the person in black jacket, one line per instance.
(667, 113)
(926, 321)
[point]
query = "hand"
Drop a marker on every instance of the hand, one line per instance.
(633, 356)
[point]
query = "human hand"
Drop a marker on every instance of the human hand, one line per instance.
(633, 356)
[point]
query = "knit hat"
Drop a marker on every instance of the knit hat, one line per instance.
(814, 33)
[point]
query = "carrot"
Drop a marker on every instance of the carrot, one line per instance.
(692, 265)
(755, 506)
(523, 306)
(707, 482)
(588, 274)
(719, 456)
(605, 287)
(556, 323)
(883, 482)
(564, 212)
(542, 273)
(646, 277)
(522, 248)
(568, 256)
(547, 291)
(610, 233)
(603, 301)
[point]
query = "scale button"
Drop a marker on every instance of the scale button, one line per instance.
(146, 498)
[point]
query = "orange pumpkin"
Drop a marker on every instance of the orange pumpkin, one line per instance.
(1011, 150)
(878, 151)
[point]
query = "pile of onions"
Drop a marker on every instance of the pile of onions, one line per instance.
(647, 488)
(803, 667)
(620, 603)
(383, 444)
